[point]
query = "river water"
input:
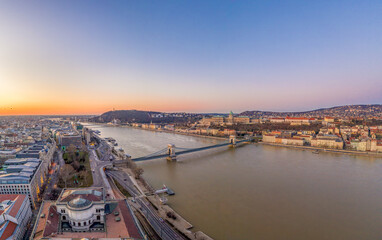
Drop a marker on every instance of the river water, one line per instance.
(263, 192)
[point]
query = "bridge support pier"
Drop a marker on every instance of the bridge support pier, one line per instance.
(232, 140)
(171, 152)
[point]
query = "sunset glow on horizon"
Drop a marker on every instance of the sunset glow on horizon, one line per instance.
(89, 57)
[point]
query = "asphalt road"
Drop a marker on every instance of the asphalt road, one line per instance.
(164, 230)
(99, 176)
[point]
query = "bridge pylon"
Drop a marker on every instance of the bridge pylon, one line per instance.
(171, 152)
(232, 140)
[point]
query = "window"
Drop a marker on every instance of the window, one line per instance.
(63, 217)
(62, 210)
(98, 217)
(79, 224)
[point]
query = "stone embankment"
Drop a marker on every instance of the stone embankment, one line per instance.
(175, 132)
(179, 223)
(343, 151)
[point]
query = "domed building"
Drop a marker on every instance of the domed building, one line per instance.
(82, 210)
(86, 213)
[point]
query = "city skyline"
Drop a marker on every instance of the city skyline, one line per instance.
(90, 57)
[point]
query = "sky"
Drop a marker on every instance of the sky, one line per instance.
(88, 57)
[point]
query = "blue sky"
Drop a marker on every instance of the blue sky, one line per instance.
(199, 56)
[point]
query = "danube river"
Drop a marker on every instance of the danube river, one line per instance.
(263, 192)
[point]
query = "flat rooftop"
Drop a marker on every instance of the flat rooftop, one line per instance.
(91, 194)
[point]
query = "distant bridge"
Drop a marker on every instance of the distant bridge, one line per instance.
(170, 152)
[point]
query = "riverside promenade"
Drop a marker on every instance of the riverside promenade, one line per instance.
(175, 132)
(161, 130)
(329, 150)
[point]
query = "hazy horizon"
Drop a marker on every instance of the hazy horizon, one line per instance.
(88, 57)
(211, 112)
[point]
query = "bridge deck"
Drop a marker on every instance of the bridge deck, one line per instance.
(202, 148)
(150, 157)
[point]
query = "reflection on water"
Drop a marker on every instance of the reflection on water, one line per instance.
(264, 192)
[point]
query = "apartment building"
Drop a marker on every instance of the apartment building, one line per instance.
(22, 176)
(15, 215)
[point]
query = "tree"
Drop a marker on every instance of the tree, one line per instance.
(138, 171)
(65, 172)
(83, 148)
(76, 165)
(54, 194)
(83, 175)
(71, 150)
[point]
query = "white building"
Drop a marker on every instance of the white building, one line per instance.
(86, 214)
(82, 209)
(15, 214)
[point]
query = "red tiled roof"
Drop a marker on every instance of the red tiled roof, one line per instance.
(16, 206)
(11, 197)
(296, 118)
(70, 194)
(129, 221)
(8, 231)
(18, 199)
(90, 197)
(52, 222)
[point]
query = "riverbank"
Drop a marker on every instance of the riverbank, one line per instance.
(175, 132)
(342, 151)
(177, 222)
(162, 130)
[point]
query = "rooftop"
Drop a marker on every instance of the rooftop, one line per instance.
(19, 170)
(10, 205)
(90, 194)
(47, 223)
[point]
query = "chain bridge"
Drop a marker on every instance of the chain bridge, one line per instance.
(171, 151)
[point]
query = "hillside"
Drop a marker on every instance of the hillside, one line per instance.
(160, 117)
(142, 117)
(344, 111)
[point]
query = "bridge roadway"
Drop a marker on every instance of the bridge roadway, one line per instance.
(157, 223)
(184, 151)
